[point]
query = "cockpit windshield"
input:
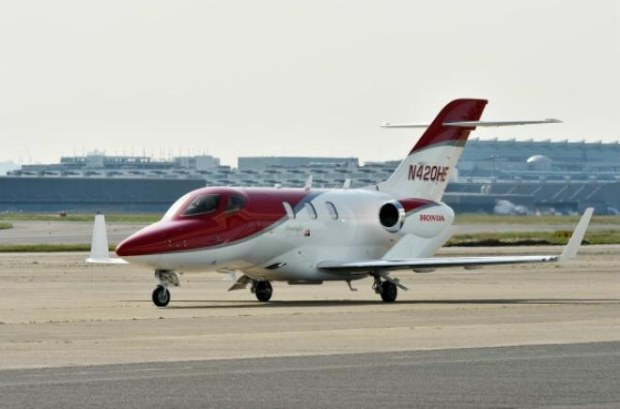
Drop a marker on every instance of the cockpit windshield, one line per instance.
(174, 209)
(202, 204)
(194, 204)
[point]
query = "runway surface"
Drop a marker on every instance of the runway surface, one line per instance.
(62, 232)
(551, 376)
(63, 323)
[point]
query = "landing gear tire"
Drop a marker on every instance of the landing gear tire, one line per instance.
(263, 291)
(161, 296)
(388, 291)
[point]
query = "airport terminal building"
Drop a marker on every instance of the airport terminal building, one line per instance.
(492, 175)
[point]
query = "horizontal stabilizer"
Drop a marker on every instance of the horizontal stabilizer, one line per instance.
(472, 124)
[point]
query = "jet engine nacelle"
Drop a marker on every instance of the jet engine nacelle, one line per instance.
(392, 216)
(424, 220)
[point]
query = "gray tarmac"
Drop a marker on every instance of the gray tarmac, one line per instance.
(62, 232)
(545, 335)
(549, 376)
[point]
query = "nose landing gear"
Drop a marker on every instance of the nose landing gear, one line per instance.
(161, 294)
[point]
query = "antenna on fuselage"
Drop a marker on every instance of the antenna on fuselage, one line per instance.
(347, 183)
(308, 184)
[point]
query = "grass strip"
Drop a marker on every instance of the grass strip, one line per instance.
(5, 226)
(531, 238)
(468, 218)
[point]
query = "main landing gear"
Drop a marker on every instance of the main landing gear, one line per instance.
(387, 290)
(161, 294)
(262, 290)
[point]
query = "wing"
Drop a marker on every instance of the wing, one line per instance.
(432, 263)
(468, 262)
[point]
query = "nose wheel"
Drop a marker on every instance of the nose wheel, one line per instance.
(161, 296)
(262, 290)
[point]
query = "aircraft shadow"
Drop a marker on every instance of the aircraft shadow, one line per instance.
(229, 304)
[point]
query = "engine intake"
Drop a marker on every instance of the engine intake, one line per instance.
(392, 216)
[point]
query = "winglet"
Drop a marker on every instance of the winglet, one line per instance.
(99, 250)
(570, 251)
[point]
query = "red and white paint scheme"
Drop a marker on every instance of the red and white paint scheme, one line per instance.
(307, 236)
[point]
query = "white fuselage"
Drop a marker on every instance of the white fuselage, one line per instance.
(292, 248)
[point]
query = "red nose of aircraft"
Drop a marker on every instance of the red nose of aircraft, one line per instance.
(150, 240)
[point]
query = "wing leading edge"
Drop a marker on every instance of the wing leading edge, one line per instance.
(468, 262)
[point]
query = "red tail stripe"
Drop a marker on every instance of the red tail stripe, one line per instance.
(457, 110)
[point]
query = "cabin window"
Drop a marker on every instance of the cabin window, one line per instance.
(311, 210)
(289, 210)
(234, 203)
(331, 208)
(202, 205)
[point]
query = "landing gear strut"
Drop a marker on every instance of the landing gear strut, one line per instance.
(387, 290)
(161, 295)
(262, 290)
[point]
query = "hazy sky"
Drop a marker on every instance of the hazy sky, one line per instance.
(316, 77)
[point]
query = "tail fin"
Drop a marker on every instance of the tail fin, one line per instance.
(425, 172)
